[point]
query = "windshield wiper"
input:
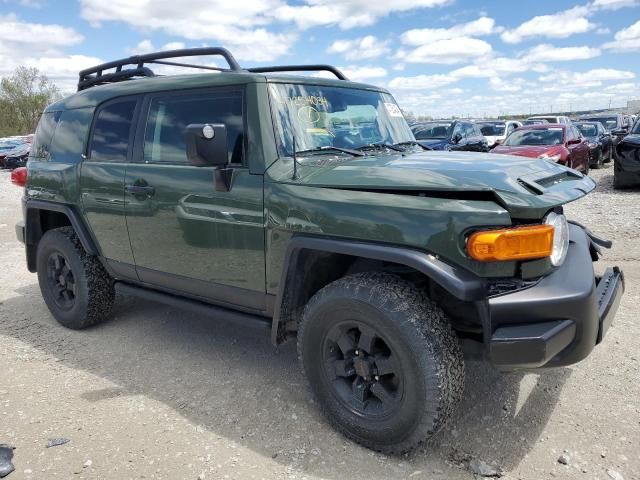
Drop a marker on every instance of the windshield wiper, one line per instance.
(329, 148)
(411, 142)
(380, 146)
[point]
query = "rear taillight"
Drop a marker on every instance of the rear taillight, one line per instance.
(19, 176)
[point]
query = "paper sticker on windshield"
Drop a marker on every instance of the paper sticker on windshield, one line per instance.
(393, 109)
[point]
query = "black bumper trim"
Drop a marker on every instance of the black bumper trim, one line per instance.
(570, 293)
(20, 231)
(530, 345)
(609, 292)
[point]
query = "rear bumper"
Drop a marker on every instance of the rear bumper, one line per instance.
(560, 319)
(20, 231)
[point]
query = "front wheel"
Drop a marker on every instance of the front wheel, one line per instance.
(381, 360)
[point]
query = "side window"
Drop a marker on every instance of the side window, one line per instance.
(169, 116)
(112, 132)
(458, 129)
(569, 134)
(576, 132)
(44, 133)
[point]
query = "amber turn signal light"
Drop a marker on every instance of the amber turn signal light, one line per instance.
(519, 243)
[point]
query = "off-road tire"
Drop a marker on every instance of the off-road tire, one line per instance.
(599, 162)
(94, 288)
(419, 334)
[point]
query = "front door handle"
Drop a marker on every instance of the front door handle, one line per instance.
(138, 189)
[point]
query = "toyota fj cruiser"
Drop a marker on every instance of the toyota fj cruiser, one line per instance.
(305, 204)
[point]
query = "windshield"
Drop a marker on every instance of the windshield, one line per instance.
(538, 136)
(492, 129)
(324, 116)
(587, 130)
(609, 123)
(428, 131)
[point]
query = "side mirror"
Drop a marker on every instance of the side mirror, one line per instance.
(456, 138)
(619, 131)
(574, 141)
(499, 141)
(206, 144)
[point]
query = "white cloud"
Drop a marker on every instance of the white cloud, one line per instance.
(550, 53)
(239, 25)
(558, 25)
(347, 13)
(41, 46)
(589, 79)
(613, 4)
(23, 38)
(423, 36)
(502, 85)
(359, 74)
(447, 51)
(362, 48)
(626, 40)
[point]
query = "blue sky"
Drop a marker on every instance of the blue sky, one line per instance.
(438, 57)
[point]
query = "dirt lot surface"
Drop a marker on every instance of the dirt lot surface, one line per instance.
(162, 393)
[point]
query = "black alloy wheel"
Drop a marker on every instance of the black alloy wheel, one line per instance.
(362, 369)
(61, 281)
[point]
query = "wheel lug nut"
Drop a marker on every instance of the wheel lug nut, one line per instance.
(376, 378)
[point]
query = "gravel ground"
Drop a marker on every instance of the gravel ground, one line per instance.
(162, 393)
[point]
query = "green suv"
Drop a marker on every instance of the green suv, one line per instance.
(304, 204)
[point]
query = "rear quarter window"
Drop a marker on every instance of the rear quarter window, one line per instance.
(71, 135)
(41, 145)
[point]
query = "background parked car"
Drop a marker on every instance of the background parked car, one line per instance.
(552, 119)
(626, 165)
(536, 121)
(6, 145)
(17, 157)
(496, 131)
(558, 143)
(450, 135)
(599, 141)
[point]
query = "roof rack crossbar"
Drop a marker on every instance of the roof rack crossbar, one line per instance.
(190, 65)
(300, 68)
(117, 76)
(95, 76)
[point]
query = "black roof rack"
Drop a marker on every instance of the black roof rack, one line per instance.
(96, 76)
(300, 68)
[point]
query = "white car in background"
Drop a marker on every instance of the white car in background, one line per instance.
(495, 131)
(552, 118)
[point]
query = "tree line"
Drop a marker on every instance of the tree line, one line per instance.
(23, 97)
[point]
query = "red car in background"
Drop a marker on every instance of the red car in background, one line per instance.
(556, 142)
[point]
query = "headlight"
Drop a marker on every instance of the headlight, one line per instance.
(551, 158)
(560, 238)
(592, 144)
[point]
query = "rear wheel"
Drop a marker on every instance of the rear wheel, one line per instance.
(381, 360)
(74, 285)
(599, 160)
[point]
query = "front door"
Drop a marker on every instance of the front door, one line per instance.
(187, 236)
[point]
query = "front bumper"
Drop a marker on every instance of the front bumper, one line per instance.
(560, 319)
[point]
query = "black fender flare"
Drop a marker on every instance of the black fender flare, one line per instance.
(33, 231)
(459, 282)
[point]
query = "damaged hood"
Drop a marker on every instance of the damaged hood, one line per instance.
(526, 187)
